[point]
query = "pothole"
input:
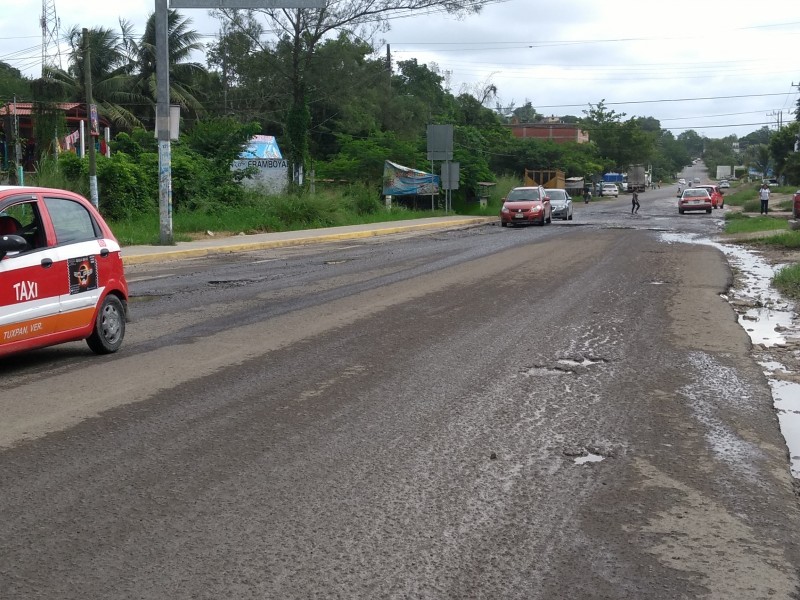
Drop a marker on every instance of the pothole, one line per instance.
(230, 283)
(582, 361)
(571, 365)
(539, 371)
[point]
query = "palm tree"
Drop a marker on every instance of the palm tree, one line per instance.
(182, 41)
(110, 67)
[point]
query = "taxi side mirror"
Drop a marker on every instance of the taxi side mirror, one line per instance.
(11, 243)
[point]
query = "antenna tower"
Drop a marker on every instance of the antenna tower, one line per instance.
(51, 55)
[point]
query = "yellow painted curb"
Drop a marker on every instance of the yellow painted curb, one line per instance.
(168, 254)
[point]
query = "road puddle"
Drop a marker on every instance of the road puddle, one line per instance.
(588, 458)
(770, 321)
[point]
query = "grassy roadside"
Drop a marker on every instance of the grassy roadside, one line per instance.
(787, 279)
(353, 205)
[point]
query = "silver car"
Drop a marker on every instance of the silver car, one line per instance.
(561, 203)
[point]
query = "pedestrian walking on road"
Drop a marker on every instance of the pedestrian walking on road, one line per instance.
(635, 203)
(763, 194)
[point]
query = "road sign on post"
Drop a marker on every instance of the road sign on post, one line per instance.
(440, 142)
(162, 89)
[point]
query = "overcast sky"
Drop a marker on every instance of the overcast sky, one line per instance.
(708, 65)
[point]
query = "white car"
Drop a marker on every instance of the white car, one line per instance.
(609, 189)
(724, 184)
(681, 181)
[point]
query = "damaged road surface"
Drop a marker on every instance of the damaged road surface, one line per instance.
(543, 413)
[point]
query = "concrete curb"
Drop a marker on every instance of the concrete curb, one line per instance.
(134, 255)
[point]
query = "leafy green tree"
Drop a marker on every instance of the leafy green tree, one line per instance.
(719, 152)
(525, 114)
(758, 158)
(620, 142)
(362, 159)
(347, 91)
(760, 136)
(781, 145)
(671, 156)
(13, 83)
(299, 32)
(693, 142)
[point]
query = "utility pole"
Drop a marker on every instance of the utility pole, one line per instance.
(163, 125)
(797, 116)
(162, 89)
(18, 147)
(91, 114)
(389, 66)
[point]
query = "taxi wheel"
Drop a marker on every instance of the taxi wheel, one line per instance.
(109, 328)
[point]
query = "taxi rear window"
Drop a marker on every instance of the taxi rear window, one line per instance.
(71, 220)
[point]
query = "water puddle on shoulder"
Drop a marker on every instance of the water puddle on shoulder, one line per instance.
(769, 320)
(588, 458)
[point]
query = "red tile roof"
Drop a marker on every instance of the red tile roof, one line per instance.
(26, 108)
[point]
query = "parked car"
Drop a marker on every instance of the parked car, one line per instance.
(609, 189)
(561, 203)
(694, 199)
(796, 204)
(61, 273)
(526, 205)
(717, 198)
(681, 181)
(724, 184)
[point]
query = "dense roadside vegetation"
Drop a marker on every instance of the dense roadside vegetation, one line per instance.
(338, 109)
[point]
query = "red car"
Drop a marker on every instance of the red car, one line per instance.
(694, 199)
(796, 204)
(717, 198)
(61, 273)
(526, 205)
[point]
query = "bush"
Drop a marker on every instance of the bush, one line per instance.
(302, 211)
(124, 187)
(362, 200)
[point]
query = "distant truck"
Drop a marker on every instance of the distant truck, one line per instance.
(548, 178)
(724, 171)
(638, 178)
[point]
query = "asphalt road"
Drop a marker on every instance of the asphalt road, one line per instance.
(569, 411)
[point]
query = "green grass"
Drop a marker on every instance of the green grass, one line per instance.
(786, 239)
(267, 214)
(787, 281)
(740, 223)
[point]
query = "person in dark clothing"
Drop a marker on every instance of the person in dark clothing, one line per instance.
(634, 203)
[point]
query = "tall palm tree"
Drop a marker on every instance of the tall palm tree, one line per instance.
(110, 67)
(183, 75)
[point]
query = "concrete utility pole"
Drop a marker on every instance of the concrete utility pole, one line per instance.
(91, 117)
(162, 124)
(162, 89)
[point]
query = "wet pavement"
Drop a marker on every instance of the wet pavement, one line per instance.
(773, 327)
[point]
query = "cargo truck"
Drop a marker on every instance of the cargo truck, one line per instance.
(638, 178)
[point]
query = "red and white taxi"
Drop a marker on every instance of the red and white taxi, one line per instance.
(61, 273)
